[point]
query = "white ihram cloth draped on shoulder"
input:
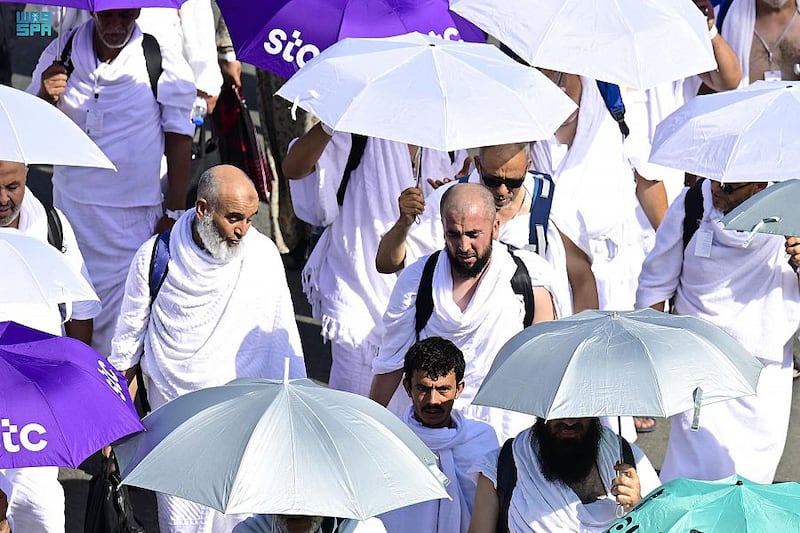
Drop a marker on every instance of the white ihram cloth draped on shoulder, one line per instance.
(494, 315)
(753, 294)
(211, 321)
(458, 448)
(544, 506)
(594, 202)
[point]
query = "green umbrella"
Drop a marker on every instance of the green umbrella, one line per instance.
(730, 505)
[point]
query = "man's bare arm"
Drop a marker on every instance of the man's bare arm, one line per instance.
(80, 330)
(486, 509)
(304, 154)
(581, 277)
(384, 386)
(392, 248)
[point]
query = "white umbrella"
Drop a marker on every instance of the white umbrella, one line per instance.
(745, 135)
(634, 43)
(34, 272)
(608, 363)
(430, 92)
(36, 132)
(281, 447)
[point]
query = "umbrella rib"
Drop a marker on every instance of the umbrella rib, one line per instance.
(14, 131)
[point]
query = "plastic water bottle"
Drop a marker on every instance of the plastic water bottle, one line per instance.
(199, 110)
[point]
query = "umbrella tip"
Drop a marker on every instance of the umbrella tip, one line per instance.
(286, 371)
(739, 482)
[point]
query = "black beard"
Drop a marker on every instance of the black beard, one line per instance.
(473, 271)
(567, 461)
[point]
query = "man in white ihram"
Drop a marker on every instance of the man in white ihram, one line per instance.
(37, 503)
(223, 311)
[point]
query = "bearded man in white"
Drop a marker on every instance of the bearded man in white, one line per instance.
(223, 311)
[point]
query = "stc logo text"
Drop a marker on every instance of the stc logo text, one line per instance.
(293, 50)
(28, 437)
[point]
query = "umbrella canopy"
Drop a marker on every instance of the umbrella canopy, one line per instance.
(286, 447)
(634, 43)
(281, 36)
(429, 92)
(63, 400)
(609, 363)
(773, 210)
(736, 136)
(36, 132)
(103, 5)
(730, 505)
(36, 273)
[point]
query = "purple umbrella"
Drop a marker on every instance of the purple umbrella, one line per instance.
(281, 36)
(61, 400)
(45, 18)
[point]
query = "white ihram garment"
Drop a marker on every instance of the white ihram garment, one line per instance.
(543, 506)
(458, 448)
(113, 213)
(346, 292)
(211, 322)
(595, 201)
(753, 294)
(494, 315)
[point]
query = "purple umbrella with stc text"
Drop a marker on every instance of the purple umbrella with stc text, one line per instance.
(283, 35)
(61, 400)
(31, 23)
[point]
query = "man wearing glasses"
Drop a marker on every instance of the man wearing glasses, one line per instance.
(504, 170)
(742, 283)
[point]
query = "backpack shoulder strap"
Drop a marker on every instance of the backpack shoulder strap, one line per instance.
(152, 59)
(66, 55)
(612, 97)
(55, 231)
(693, 211)
(627, 452)
(359, 144)
(159, 264)
(521, 283)
(724, 6)
(424, 303)
(506, 481)
(541, 202)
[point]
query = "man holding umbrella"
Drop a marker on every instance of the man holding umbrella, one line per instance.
(743, 284)
(107, 88)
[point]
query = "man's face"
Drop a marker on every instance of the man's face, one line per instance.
(222, 227)
(504, 177)
(728, 196)
(12, 190)
(297, 523)
(433, 398)
(468, 238)
(567, 447)
(115, 26)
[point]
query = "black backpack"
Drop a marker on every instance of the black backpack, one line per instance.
(507, 477)
(521, 283)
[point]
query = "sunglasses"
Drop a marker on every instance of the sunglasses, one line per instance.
(493, 181)
(730, 188)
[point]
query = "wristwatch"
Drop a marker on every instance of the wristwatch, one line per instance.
(174, 214)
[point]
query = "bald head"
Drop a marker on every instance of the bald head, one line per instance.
(465, 198)
(225, 180)
(499, 155)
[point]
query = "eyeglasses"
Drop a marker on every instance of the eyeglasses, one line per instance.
(493, 181)
(730, 188)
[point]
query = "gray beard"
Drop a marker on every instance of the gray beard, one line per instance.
(213, 241)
